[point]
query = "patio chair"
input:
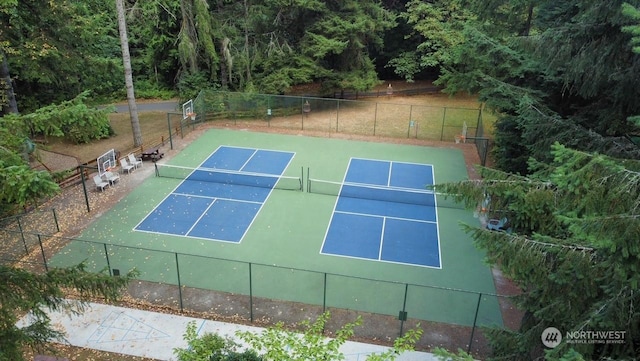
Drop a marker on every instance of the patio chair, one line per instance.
(136, 162)
(111, 177)
(126, 167)
(100, 183)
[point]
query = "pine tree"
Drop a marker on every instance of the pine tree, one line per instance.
(571, 246)
(23, 292)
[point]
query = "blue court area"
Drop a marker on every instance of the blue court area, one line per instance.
(384, 212)
(220, 199)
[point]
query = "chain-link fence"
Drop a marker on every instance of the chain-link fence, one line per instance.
(452, 318)
(328, 115)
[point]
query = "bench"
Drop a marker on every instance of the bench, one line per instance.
(152, 154)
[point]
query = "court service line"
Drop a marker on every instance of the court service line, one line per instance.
(255, 151)
(202, 215)
(384, 223)
(389, 217)
(393, 161)
(215, 198)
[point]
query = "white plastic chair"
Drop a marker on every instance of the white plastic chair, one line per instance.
(111, 177)
(100, 183)
(126, 167)
(136, 162)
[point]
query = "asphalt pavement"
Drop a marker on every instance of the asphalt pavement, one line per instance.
(153, 106)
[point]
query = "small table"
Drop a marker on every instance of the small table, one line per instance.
(152, 154)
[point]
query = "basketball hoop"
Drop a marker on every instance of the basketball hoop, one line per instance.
(192, 116)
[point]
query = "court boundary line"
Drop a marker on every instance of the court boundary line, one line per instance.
(181, 181)
(333, 212)
(379, 259)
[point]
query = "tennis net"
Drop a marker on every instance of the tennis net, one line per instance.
(382, 193)
(223, 176)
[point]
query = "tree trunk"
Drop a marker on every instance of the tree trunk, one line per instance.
(128, 77)
(246, 41)
(9, 104)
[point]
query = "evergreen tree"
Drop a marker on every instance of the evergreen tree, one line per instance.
(553, 72)
(571, 246)
(57, 49)
(23, 292)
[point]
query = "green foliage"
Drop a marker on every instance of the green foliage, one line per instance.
(208, 347)
(572, 248)
(633, 13)
(438, 25)
(445, 355)
(278, 343)
(553, 72)
(146, 89)
(72, 119)
(57, 49)
(20, 185)
(24, 292)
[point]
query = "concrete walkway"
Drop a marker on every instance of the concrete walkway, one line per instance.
(155, 335)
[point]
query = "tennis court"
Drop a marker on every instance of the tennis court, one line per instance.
(278, 239)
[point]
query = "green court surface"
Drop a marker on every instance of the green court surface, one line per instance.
(281, 249)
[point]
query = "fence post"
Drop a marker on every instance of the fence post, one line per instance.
(179, 284)
(337, 115)
(84, 188)
(375, 119)
(403, 313)
(55, 219)
(324, 294)
(24, 241)
(106, 255)
(475, 320)
(250, 295)
(444, 119)
(44, 257)
(169, 127)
